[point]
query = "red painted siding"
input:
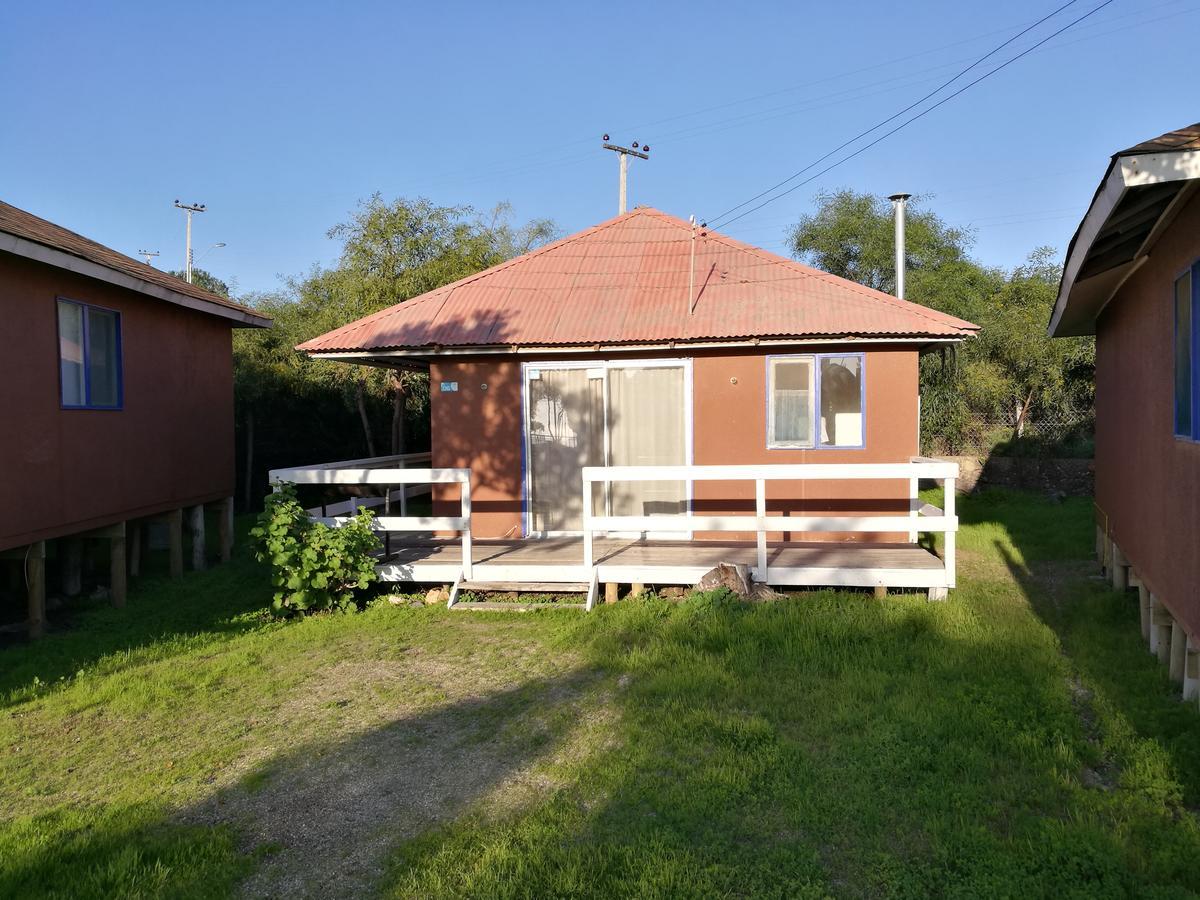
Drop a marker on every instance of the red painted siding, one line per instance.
(1147, 480)
(481, 429)
(64, 471)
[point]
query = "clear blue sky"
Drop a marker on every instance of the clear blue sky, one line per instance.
(280, 116)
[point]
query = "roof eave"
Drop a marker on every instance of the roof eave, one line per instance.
(1080, 302)
(60, 259)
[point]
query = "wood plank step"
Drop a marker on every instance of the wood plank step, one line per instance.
(527, 587)
(492, 606)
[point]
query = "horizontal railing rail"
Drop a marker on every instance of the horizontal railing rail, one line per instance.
(920, 517)
(360, 472)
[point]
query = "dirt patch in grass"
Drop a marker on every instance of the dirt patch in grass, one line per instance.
(416, 740)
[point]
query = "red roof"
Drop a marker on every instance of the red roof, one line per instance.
(625, 281)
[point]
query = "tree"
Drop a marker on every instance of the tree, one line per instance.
(206, 280)
(1012, 368)
(392, 252)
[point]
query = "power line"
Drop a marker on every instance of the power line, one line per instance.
(903, 124)
(941, 87)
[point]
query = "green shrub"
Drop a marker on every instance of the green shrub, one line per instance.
(314, 567)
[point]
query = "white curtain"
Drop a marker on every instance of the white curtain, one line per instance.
(646, 428)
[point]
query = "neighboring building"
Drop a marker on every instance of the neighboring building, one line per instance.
(1132, 278)
(117, 386)
(644, 341)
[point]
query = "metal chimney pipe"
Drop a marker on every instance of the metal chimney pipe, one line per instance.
(898, 202)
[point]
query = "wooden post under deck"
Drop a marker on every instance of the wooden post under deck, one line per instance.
(1120, 570)
(174, 520)
(1144, 609)
(32, 559)
(1178, 655)
(610, 592)
(225, 528)
(1160, 624)
(196, 528)
(116, 564)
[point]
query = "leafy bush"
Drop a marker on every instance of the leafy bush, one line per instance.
(313, 566)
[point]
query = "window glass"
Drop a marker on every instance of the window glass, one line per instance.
(791, 402)
(1183, 354)
(70, 353)
(841, 401)
(102, 362)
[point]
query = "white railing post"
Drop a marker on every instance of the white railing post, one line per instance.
(404, 491)
(587, 522)
(760, 513)
(466, 531)
(914, 506)
(950, 533)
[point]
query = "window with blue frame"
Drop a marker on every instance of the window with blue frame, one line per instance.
(1187, 373)
(815, 400)
(89, 356)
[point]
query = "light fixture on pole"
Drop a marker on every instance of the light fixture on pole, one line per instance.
(216, 246)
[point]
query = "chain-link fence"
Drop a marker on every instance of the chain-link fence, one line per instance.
(1056, 435)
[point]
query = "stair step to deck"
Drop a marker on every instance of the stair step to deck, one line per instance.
(527, 587)
(493, 606)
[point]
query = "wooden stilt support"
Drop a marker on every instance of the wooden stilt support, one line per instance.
(116, 564)
(174, 520)
(1191, 670)
(1144, 608)
(225, 528)
(938, 593)
(881, 592)
(635, 589)
(1160, 631)
(135, 548)
(35, 581)
(610, 592)
(196, 529)
(1119, 570)
(72, 566)
(1178, 654)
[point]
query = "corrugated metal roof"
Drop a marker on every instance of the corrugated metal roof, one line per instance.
(626, 281)
(27, 226)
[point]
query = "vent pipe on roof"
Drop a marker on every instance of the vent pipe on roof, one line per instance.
(898, 203)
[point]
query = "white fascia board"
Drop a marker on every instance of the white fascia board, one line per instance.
(19, 246)
(1125, 173)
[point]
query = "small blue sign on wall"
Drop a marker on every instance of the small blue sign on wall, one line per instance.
(449, 387)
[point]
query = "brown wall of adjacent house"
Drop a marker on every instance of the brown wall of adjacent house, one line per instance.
(1147, 480)
(481, 429)
(63, 471)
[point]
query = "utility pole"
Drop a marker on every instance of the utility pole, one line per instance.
(149, 254)
(898, 203)
(189, 208)
(624, 153)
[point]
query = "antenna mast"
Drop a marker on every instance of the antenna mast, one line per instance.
(149, 254)
(624, 153)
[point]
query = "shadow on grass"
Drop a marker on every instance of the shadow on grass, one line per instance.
(830, 744)
(161, 616)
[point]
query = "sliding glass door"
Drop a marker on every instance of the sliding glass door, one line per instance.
(611, 413)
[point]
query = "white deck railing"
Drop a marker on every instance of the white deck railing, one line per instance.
(383, 471)
(920, 517)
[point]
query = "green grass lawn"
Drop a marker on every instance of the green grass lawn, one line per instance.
(1017, 739)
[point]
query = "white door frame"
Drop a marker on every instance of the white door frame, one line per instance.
(607, 365)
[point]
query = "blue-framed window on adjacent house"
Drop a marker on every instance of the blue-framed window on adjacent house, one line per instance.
(89, 356)
(1187, 340)
(816, 400)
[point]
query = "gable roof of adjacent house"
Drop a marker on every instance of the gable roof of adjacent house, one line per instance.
(24, 234)
(1142, 190)
(631, 281)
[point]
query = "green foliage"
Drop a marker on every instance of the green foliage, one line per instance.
(314, 567)
(1013, 370)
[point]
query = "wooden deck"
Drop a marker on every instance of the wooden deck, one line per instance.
(560, 560)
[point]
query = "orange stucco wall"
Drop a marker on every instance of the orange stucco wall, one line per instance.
(1147, 480)
(481, 428)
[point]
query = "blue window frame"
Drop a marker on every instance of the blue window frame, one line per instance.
(816, 401)
(1187, 342)
(89, 356)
